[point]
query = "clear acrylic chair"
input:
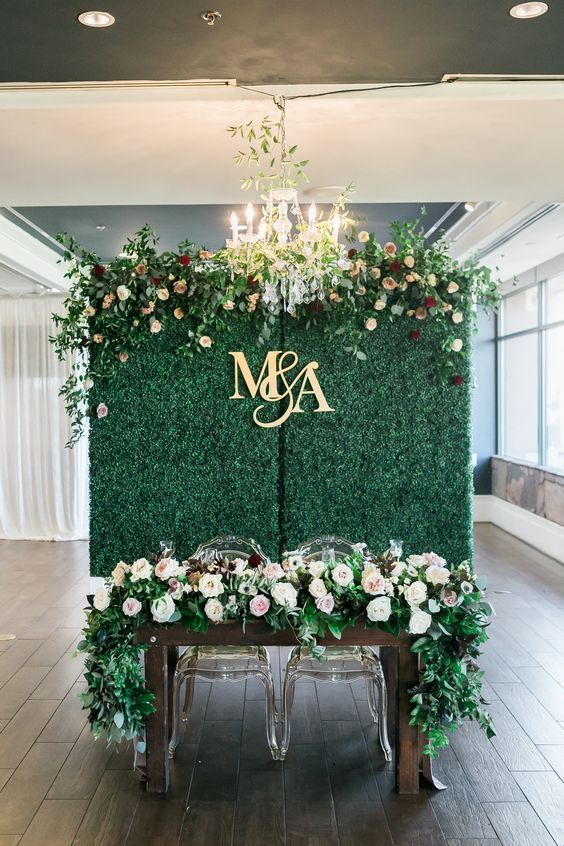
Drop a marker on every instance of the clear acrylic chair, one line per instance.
(222, 663)
(339, 663)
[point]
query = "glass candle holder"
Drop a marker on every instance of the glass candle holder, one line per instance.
(166, 548)
(396, 547)
(328, 555)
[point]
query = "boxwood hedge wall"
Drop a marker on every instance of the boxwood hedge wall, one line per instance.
(177, 458)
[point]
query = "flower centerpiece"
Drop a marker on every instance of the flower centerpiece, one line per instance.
(442, 606)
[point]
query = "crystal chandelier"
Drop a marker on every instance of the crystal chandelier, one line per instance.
(295, 260)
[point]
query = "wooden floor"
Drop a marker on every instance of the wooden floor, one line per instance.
(59, 787)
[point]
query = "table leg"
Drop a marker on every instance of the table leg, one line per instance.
(157, 730)
(389, 661)
(407, 754)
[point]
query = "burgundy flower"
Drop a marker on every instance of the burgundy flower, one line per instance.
(430, 302)
(317, 306)
(395, 266)
(155, 281)
(98, 270)
(254, 560)
(184, 260)
(415, 334)
(251, 280)
(351, 253)
(457, 380)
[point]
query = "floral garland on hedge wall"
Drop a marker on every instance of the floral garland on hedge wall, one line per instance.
(114, 308)
(444, 606)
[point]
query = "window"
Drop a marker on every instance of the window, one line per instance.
(531, 367)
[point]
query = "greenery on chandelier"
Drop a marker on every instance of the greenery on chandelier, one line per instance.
(113, 309)
(443, 607)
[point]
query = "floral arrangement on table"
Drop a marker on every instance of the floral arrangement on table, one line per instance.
(443, 606)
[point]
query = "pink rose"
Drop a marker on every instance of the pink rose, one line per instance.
(272, 571)
(167, 568)
(390, 248)
(325, 603)
(180, 287)
(131, 606)
(433, 558)
(373, 583)
(102, 410)
(449, 597)
(259, 605)
(389, 284)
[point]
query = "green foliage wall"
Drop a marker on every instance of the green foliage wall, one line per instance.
(177, 458)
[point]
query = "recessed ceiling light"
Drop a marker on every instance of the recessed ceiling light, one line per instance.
(528, 10)
(470, 206)
(97, 19)
(100, 227)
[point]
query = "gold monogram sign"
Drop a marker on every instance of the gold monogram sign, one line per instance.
(274, 384)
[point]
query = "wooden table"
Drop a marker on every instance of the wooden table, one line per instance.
(401, 668)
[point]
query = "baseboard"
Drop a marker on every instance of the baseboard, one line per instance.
(542, 534)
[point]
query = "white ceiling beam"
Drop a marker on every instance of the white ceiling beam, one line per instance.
(27, 256)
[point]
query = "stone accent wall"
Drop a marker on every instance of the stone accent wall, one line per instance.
(530, 487)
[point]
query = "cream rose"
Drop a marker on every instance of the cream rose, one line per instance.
(316, 568)
(229, 305)
(371, 324)
(205, 341)
(452, 287)
(419, 621)
(363, 236)
(456, 345)
(317, 588)
(166, 568)
(180, 287)
(131, 606)
(379, 305)
(432, 280)
(118, 573)
(211, 584)
(178, 313)
(416, 593)
(375, 272)
(437, 575)
(163, 293)
(457, 317)
(101, 599)
(163, 608)
(379, 609)
(122, 292)
(398, 568)
(390, 248)
(140, 569)
(214, 610)
(156, 326)
(272, 571)
(342, 575)
(89, 311)
(389, 283)
(409, 261)
(285, 594)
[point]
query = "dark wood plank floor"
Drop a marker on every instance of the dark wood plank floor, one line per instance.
(59, 787)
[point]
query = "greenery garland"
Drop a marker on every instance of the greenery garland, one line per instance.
(445, 606)
(112, 309)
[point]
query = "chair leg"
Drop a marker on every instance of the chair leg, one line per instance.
(266, 678)
(177, 686)
(188, 696)
(383, 716)
(290, 680)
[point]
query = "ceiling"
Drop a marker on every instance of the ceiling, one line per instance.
(163, 146)
(268, 41)
(206, 225)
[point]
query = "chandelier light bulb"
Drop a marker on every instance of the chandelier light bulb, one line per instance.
(262, 229)
(312, 213)
(234, 229)
(336, 226)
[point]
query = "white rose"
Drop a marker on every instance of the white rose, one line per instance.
(316, 568)
(416, 593)
(363, 236)
(371, 324)
(285, 594)
(214, 610)
(101, 599)
(379, 305)
(141, 569)
(163, 608)
(409, 261)
(210, 585)
(456, 345)
(342, 575)
(379, 609)
(131, 606)
(437, 575)
(205, 341)
(89, 311)
(166, 568)
(118, 573)
(457, 317)
(398, 568)
(88, 383)
(272, 572)
(417, 560)
(452, 287)
(122, 292)
(317, 588)
(419, 621)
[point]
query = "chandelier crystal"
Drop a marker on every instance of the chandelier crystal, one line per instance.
(295, 258)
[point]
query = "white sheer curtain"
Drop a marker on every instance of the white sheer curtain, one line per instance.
(43, 486)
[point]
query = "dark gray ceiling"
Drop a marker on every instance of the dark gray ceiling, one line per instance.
(205, 225)
(278, 41)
